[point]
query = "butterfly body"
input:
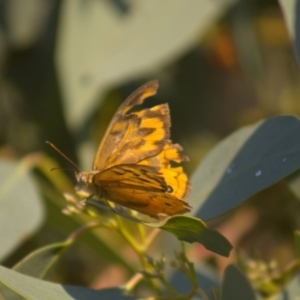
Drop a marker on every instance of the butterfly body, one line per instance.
(132, 165)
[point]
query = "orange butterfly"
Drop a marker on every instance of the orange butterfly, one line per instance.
(132, 165)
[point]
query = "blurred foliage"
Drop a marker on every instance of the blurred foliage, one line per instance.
(65, 67)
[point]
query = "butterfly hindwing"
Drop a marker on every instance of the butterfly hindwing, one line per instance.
(139, 187)
(153, 204)
(174, 176)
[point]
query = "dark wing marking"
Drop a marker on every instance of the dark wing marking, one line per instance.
(133, 176)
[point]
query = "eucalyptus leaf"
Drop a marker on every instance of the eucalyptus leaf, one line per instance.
(297, 243)
(21, 207)
(35, 289)
(291, 13)
(236, 286)
(193, 230)
(291, 291)
(98, 47)
(207, 278)
(38, 264)
(24, 23)
(248, 161)
(185, 228)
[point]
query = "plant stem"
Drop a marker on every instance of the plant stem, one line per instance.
(168, 286)
(127, 236)
(132, 282)
(153, 234)
(140, 250)
(141, 229)
(82, 229)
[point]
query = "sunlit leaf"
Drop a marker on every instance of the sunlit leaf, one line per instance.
(21, 208)
(248, 161)
(99, 47)
(291, 13)
(291, 291)
(24, 24)
(36, 289)
(187, 229)
(38, 264)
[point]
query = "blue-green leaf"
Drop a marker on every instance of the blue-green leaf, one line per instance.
(97, 47)
(248, 161)
(35, 289)
(236, 286)
(21, 207)
(291, 13)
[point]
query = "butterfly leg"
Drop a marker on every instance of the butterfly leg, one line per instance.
(83, 202)
(109, 205)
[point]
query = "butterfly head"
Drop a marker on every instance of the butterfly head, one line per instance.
(84, 178)
(85, 181)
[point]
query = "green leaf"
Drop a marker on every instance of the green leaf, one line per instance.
(248, 161)
(97, 47)
(38, 264)
(193, 230)
(297, 243)
(236, 286)
(291, 290)
(25, 24)
(291, 13)
(187, 229)
(21, 208)
(35, 289)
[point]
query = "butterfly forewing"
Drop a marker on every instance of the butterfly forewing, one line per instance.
(135, 136)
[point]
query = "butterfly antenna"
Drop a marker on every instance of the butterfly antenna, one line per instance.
(63, 169)
(63, 155)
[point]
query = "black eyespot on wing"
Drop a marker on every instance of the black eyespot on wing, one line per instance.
(170, 189)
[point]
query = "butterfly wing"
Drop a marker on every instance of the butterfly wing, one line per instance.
(131, 176)
(153, 204)
(174, 176)
(141, 188)
(133, 137)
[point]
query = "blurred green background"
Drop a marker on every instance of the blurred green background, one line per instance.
(65, 67)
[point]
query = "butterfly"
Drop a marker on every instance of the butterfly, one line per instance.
(132, 166)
